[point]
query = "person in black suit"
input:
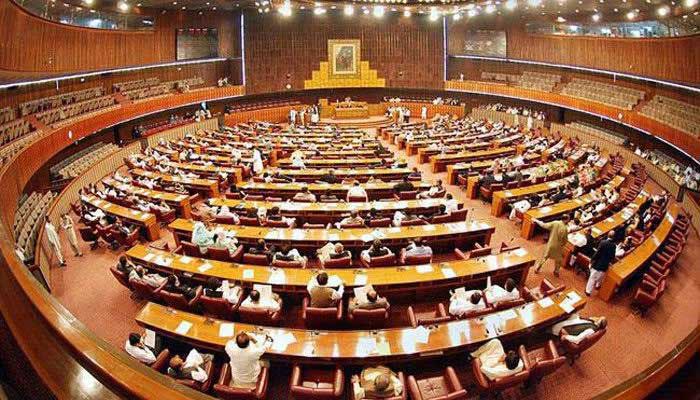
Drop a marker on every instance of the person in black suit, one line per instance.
(600, 262)
(589, 248)
(404, 186)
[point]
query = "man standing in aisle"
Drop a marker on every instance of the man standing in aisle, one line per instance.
(54, 240)
(600, 262)
(68, 226)
(555, 245)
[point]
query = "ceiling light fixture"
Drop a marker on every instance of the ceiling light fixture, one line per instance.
(596, 17)
(663, 11)
(123, 6)
(511, 4)
(378, 11)
(407, 13)
(349, 10)
(434, 15)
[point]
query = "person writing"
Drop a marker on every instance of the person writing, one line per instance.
(376, 383)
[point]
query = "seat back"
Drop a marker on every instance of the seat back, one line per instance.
(414, 222)
(287, 264)
(441, 219)
(249, 221)
(256, 316)
(380, 223)
(315, 317)
(459, 215)
(218, 254)
(369, 318)
(574, 349)
(383, 261)
(255, 259)
(174, 300)
(357, 199)
(277, 224)
(344, 262)
(217, 307)
(411, 195)
(121, 277)
(418, 260)
(224, 220)
(190, 249)
(142, 290)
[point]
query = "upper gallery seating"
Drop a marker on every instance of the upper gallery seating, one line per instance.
(605, 93)
(529, 79)
(7, 114)
(80, 162)
(28, 219)
(12, 130)
(680, 115)
(8, 151)
(74, 109)
(134, 85)
(59, 100)
(158, 89)
(598, 132)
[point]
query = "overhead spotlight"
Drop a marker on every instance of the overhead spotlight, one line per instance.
(434, 14)
(511, 4)
(123, 6)
(365, 11)
(596, 17)
(286, 9)
(631, 15)
(88, 2)
(690, 3)
(378, 11)
(561, 19)
(456, 16)
(490, 8)
(472, 13)
(407, 13)
(349, 10)
(534, 3)
(663, 11)
(319, 10)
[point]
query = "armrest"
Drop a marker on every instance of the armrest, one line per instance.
(452, 379)
(441, 311)
(522, 352)
(197, 296)
(412, 316)
(338, 383)
(295, 380)
(413, 387)
(263, 381)
(162, 360)
(224, 375)
(304, 306)
(459, 253)
(552, 349)
(339, 310)
(481, 379)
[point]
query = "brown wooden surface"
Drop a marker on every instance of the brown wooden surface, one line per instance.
(345, 347)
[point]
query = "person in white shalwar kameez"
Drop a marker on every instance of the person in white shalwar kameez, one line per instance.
(495, 363)
(54, 240)
(257, 162)
(496, 293)
(245, 353)
(68, 226)
(201, 236)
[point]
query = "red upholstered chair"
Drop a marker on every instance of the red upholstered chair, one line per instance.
(380, 223)
(439, 194)
(402, 396)
(434, 317)
(273, 199)
(316, 317)
(166, 217)
(582, 264)
(162, 367)
(382, 261)
(179, 301)
(351, 226)
(546, 288)
(647, 294)
(256, 197)
(345, 262)
(414, 222)
(414, 260)
(573, 350)
(224, 220)
(218, 307)
(317, 383)
(144, 291)
(89, 235)
(121, 277)
(287, 264)
(225, 391)
(255, 259)
(277, 224)
(357, 199)
(444, 387)
(487, 192)
(249, 221)
(411, 195)
(233, 196)
(544, 360)
(441, 219)
(500, 384)
(504, 305)
(190, 249)
(224, 255)
(256, 316)
(369, 319)
(313, 226)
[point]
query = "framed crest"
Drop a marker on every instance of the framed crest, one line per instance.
(344, 58)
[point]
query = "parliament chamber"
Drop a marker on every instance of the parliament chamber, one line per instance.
(294, 199)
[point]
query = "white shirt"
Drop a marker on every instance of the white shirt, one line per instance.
(264, 303)
(492, 365)
(145, 355)
(52, 235)
(496, 293)
(245, 363)
(357, 191)
(452, 205)
(461, 304)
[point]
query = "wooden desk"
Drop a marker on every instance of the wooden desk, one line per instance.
(453, 171)
(603, 227)
(334, 163)
(209, 171)
(548, 212)
(375, 191)
(423, 141)
(327, 212)
(502, 197)
(633, 262)
(142, 219)
(439, 163)
(360, 174)
(209, 186)
(397, 280)
(454, 234)
(180, 201)
(349, 347)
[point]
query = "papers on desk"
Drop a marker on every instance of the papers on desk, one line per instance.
(546, 209)
(149, 256)
(185, 259)
(334, 281)
(508, 314)
(421, 334)
(366, 346)
(144, 216)
(520, 252)
(566, 306)
(383, 348)
(367, 238)
(277, 277)
(333, 237)
(226, 329)
(160, 260)
(150, 338)
(377, 234)
(134, 212)
(424, 269)
(264, 290)
(361, 293)
(596, 231)
(183, 328)
(448, 272)
(360, 280)
(494, 324)
(204, 267)
(546, 302)
(577, 239)
(248, 273)
(280, 341)
(568, 303)
(429, 228)
(553, 184)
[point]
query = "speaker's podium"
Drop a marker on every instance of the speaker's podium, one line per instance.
(348, 110)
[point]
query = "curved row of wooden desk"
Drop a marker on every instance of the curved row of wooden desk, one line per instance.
(375, 190)
(364, 346)
(208, 186)
(312, 175)
(181, 202)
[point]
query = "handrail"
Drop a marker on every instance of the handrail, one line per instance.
(81, 365)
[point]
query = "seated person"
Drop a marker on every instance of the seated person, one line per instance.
(372, 214)
(463, 302)
(353, 219)
(376, 250)
(329, 177)
(414, 174)
(260, 248)
(496, 293)
(356, 191)
(434, 189)
(441, 212)
(191, 368)
(217, 289)
(135, 346)
(175, 286)
(152, 280)
(329, 197)
(404, 186)
(271, 302)
(321, 294)
(201, 236)
(304, 195)
(523, 205)
(418, 247)
(495, 362)
(451, 203)
(125, 266)
(370, 301)
(298, 162)
(332, 251)
(225, 212)
(275, 215)
(287, 253)
(376, 383)
(245, 353)
(401, 218)
(574, 329)
(225, 240)
(559, 195)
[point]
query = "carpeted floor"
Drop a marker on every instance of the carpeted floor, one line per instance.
(90, 292)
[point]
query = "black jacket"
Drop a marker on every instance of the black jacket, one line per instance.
(604, 255)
